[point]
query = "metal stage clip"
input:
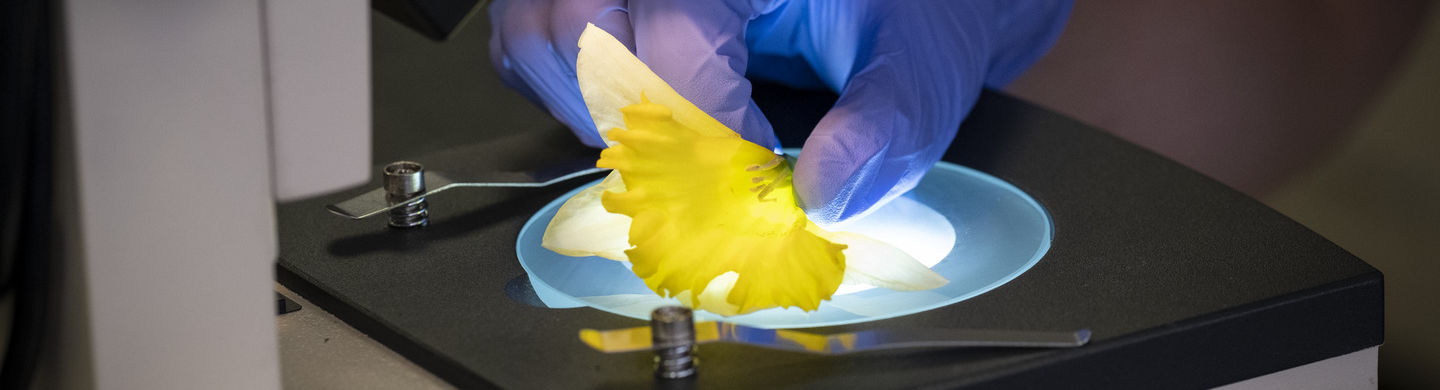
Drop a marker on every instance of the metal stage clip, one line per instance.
(407, 184)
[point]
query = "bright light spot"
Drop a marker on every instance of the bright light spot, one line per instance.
(907, 224)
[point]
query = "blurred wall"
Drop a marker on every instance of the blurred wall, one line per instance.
(1329, 111)
(1378, 196)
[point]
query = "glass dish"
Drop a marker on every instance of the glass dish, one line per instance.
(999, 233)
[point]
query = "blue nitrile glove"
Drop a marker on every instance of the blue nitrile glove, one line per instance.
(907, 72)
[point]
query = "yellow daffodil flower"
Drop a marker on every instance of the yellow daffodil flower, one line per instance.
(700, 213)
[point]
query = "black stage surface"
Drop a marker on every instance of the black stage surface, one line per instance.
(1184, 282)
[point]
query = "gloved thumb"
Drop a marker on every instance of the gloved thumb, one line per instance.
(897, 113)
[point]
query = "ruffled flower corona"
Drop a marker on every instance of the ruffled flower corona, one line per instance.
(701, 214)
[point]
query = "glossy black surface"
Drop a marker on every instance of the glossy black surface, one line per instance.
(1184, 282)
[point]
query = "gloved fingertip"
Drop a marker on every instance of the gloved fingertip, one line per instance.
(576, 116)
(834, 179)
(756, 128)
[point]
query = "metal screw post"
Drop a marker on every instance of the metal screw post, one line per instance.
(673, 329)
(403, 180)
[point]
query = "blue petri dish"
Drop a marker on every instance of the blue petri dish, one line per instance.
(1000, 232)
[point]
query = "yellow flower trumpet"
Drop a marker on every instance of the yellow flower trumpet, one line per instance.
(701, 214)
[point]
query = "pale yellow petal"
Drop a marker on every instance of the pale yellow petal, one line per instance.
(870, 261)
(611, 78)
(582, 226)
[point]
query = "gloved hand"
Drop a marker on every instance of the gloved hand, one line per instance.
(907, 72)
